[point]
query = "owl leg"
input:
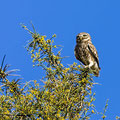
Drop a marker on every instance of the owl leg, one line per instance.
(91, 64)
(86, 66)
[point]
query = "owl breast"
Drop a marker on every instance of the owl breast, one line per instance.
(82, 53)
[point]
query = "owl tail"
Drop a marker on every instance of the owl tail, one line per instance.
(96, 73)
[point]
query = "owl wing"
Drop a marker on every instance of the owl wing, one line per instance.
(94, 53)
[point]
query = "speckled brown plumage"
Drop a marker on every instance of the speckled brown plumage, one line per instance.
(86, 52)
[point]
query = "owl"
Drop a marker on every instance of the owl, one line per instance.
(86, 52)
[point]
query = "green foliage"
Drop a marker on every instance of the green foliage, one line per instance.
(105, 109)
(66, 94)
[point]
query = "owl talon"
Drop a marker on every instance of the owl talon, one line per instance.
(86, 66)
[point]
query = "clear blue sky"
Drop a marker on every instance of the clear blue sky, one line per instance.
(66, 18)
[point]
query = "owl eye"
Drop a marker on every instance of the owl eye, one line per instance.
(84, 35)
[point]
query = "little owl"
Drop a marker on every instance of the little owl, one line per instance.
(86, 52)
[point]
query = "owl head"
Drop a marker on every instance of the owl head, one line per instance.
(83, 37)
